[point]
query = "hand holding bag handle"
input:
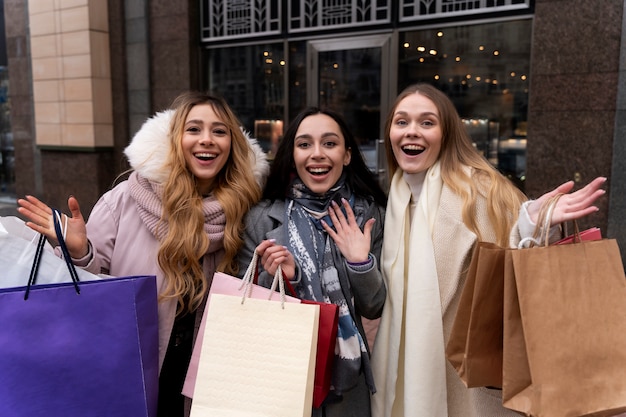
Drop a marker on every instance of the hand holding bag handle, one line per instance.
(542, 229)
(56, 217)
(250, 279)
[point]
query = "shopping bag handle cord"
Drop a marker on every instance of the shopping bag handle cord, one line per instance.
(36, 262)
(66, 254)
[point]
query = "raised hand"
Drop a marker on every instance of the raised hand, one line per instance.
(271, 255)
(353, 243)
(570, 206)
(40, 219)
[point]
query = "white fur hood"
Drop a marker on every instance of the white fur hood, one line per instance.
(150, 147)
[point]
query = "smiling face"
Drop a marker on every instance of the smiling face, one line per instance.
(206, 144)
(320, 152)
(415, 133)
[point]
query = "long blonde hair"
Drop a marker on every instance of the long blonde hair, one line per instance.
(457, 153)
(235, 188)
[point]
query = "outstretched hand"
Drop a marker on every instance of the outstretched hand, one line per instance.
(353, 243)
(572, 205)
(40, 219)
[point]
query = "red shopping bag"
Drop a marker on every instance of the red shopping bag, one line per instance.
(326, 341)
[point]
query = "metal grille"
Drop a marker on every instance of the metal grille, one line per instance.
(306, 15)
(410, 10)
(232, 19)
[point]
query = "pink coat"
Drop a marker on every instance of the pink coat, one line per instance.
(122, 245)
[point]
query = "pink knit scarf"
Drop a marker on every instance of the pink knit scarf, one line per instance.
(149, 198)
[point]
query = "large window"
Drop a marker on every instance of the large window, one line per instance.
(251, 78)
(484, 69)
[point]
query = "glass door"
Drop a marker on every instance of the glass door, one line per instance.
(352, 76)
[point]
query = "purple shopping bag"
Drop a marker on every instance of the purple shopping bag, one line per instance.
(88, 353)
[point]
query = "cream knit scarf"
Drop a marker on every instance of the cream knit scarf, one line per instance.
(412, 362)
(148, 196)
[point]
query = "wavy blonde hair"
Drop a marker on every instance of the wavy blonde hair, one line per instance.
(236, 189)
(457, 153)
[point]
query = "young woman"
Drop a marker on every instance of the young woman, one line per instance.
(444, 197)
(179, 216)
(321, 220)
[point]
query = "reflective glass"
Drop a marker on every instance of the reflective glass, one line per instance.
(349, 82)
(251, 78)
(484, 69)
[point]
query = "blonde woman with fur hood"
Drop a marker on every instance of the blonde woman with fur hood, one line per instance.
(179, 216)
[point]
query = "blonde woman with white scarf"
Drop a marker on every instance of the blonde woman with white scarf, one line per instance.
(444, 197)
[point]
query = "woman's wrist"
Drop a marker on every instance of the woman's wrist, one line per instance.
(363, 265)
(85, 253)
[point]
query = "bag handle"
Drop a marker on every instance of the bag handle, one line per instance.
(544, 220)
(56, 218)
(35, 268)
(250, 279)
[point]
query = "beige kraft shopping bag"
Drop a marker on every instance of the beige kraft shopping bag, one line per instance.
(475, 345)
(565, 330)
(257, 359)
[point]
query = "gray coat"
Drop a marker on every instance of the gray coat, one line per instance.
(365, 288)
(265, 221)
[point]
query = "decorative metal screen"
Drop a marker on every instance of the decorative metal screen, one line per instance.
(306, 15)
(427, 9)
(232, 19)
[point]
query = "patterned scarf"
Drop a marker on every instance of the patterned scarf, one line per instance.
(312, 247)
(149, 198)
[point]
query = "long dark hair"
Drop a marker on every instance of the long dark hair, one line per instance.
(358, 176)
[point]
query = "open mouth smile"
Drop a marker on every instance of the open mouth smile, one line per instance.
(413, 150)
(205, 156)
(318, 171)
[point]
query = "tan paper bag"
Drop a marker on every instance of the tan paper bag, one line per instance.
(474, 347)
(257, 359)
(565, 330)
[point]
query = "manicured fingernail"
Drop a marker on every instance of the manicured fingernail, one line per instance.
(272, 240)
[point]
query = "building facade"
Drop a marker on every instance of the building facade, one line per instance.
(539, 84)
